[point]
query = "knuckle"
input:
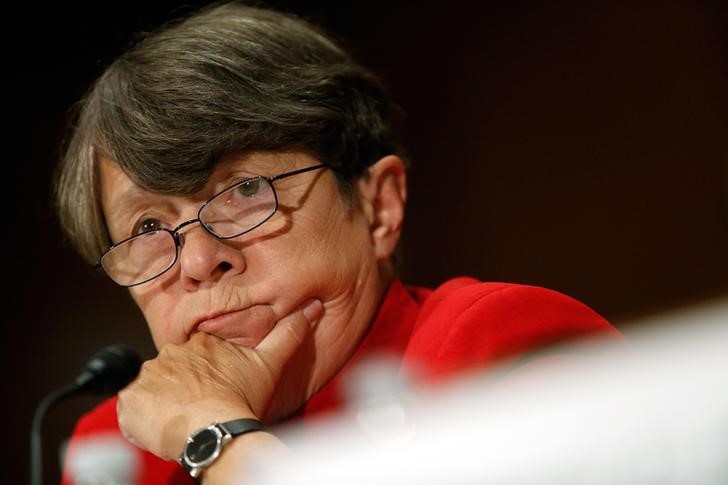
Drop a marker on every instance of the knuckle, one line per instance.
(148, 365)
(120, 401)
(167, 351)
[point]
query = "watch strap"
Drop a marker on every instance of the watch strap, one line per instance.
(237, 427)
(229, 430)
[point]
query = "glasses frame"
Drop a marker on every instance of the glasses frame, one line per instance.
(179, 238)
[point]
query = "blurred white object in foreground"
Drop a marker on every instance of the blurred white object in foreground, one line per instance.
(654, 414)
(103, 459)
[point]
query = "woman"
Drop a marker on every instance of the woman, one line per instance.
(238, 173)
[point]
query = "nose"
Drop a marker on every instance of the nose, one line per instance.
(204, 258)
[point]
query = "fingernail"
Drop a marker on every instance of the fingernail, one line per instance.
(313, 311)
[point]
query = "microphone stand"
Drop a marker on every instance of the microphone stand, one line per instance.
(107, 372)
(36, 443)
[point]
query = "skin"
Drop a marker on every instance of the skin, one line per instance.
(296, 296)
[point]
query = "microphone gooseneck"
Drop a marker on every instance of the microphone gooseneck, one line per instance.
(106, 372)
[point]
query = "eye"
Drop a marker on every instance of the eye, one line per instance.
(249, 188)
(146, 225)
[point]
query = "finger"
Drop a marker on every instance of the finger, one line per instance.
(122, 419)
(289, 334)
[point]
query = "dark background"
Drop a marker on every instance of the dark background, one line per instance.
(578, 145)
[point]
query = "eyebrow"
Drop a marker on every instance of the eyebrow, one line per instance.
(121, 203)
(234, 176)
(124, 204)
(131, 197)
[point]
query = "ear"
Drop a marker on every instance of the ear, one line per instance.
(382, 196)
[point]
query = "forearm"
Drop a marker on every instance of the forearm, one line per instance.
(239, 455)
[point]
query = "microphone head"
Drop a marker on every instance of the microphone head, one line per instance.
(109, 370)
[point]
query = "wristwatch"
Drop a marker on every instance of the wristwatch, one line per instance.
(205, 445)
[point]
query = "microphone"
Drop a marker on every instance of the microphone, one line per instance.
(106, 372)
(109, 370)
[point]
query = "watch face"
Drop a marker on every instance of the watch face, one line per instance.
(203, 446)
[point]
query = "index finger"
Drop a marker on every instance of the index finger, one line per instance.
(289, 334)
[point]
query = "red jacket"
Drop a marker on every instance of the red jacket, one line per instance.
(463, 324)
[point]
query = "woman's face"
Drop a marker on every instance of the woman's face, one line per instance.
(315, 246)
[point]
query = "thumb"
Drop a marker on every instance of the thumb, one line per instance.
(289, 334)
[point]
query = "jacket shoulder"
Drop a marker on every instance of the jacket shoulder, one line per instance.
(466, 323)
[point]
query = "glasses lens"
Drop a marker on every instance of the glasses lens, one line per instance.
(240, 208)
(140, 258)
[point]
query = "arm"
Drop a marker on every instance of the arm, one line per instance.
(208, 379)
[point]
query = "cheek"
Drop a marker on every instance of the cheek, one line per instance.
(321, 257)
(336, 256)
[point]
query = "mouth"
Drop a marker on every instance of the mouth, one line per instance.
(246, 327)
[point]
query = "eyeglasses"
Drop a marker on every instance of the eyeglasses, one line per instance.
(231, 213)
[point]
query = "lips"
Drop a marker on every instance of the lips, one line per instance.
(245, 327)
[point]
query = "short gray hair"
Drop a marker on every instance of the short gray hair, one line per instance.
(228, 79)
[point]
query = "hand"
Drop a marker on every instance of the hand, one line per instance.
(206, 379)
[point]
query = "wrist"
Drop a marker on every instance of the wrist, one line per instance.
(206, 445)
(237, 457)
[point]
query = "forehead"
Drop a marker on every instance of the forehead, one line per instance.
(116, 187)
